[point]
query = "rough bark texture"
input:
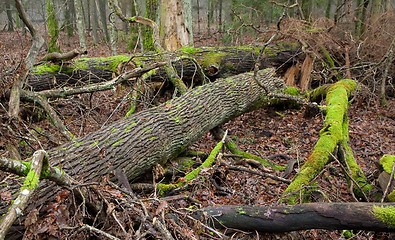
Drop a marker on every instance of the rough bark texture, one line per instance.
(331, 216)
(215, 62)
(139, 142)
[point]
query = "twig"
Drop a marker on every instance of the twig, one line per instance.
(349, 176)
(53, 116)
(29, 186)
(257, 63)
(93, 229)
(162, 229)
(244, 169)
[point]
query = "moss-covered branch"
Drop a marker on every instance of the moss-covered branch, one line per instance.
(219, 133)
(29, 186)
(214, 62)
(194, 173)
(330, 136)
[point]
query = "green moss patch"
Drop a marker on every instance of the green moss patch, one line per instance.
(385, 214)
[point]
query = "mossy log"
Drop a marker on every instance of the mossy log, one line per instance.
(215, 63)
(139, 142)
(334, 133)
(332, 216)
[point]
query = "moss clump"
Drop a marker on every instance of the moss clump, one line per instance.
(212, 58)
(189, 50)
(292, 91)
(387, 161)
(391, 196)
(385, 214)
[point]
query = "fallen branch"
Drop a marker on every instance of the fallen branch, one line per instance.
(331, 216)
(29, 186)
(334, 132)
(67, 91)
(59, 57)
(219, 133)
(194, 173)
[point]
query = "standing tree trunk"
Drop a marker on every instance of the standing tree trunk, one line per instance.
(328, 9)
(174, 33)
(80, 22)
(307, 6)
(103, 16)
(69, 19)
(151, 12)
(9, 15)
(94, 21)
(53, 28)
(188, 19)
(113, 31)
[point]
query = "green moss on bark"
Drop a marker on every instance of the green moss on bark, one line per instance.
(387, 161)
(385, 214)
(330, 136)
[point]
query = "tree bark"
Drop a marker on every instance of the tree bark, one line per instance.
(139, 142)
(80, 22)
(331, 216)
(215, 62)
(53, 27)
(173, 31)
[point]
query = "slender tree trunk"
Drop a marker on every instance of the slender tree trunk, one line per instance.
(113, 31)
(9, 16)
(94, 21)
(328, 9)
(80, 22)
(210, 15)
(53, 28)
(363, 19)
(375, 10)
(103, 16)
(307, 6)
(188, 19)
(151, 12)
(220, 15)
(68, 17)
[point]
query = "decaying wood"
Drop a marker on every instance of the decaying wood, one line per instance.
(305, 72)
(334, 133)
(37, 43)
(331, 216)
(215, 63)
(30, 185)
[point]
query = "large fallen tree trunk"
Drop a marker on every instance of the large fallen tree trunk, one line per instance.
(214, 62)
(331, 216)
(139, 142)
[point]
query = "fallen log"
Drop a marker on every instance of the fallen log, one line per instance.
(215, 63)
(330, 216)
(141, 141)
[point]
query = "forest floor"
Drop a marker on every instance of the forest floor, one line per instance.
(264, 132)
